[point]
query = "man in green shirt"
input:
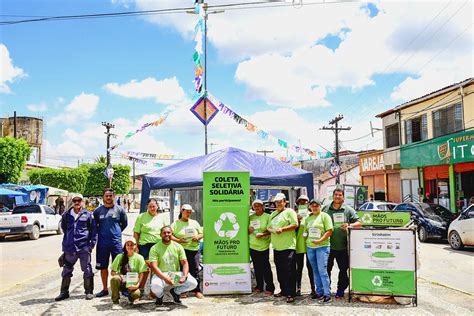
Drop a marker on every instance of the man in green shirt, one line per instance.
(343, 217)
(166, 259)
(283, 222)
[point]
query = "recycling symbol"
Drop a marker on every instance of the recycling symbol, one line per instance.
(377, 280)
(231, 233)
(366, 218)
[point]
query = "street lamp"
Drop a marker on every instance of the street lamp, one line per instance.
(206, 13)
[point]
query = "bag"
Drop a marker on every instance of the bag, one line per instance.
(62, 260)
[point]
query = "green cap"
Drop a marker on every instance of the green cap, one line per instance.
(315, 200)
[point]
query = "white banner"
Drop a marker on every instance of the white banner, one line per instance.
(227, 278)
(382, 249)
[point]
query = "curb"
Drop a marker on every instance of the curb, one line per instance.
(446, 286)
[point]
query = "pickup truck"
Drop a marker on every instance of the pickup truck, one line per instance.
(31, 220)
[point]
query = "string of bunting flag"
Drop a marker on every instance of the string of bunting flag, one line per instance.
(141, 161)
(158, 122)
(226, 110)
(199, 32)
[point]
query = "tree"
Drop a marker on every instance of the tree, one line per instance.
(13, 156)
(88, 180)
(97, 182)
(100, 159)
(72, 180)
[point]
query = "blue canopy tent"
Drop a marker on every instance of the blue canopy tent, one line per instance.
(265, 172)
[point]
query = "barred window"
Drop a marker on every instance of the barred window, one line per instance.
(416, 129)
(392, 136)
(447, 120)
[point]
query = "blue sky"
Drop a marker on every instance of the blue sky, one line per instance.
(287, 70)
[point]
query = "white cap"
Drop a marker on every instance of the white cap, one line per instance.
(257, 201)
(279, 197)
(303, 197)
(186, 207)
(77, 196)
(131, 240)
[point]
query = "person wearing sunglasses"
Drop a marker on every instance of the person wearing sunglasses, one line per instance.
(80, 237)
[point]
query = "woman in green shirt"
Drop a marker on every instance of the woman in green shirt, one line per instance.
(188, 233)
(128, 271)
(317, 230)
(147, 231)
(259, 243)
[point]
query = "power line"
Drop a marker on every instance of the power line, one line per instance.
(230, 6)
(425, 42)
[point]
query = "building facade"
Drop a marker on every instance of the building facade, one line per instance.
(430, 142)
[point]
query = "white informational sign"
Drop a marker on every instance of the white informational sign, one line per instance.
(382, 261)
(349, 196)
(227, 278)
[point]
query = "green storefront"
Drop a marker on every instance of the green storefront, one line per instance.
(445, 166)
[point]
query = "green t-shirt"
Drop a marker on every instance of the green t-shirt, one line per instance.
(260, 224)
(345, 214)
(315, 227)
(168, 257)
(187, 230)
(300, 240)
(136, 263)
(149, 228)
(287, 239)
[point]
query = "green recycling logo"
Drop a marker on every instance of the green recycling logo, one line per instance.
(230, 233)
(367, 218)
(377, 280)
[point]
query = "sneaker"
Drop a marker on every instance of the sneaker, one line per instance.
(326, 300)
(115, 306)
(89, 296)
(317, 296)
(159, 301)
(339, 294)
(124, 293)
(102, 293)
(176, 298)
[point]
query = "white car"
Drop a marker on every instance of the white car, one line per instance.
(377, 206)
(31, 220)
(461, 230)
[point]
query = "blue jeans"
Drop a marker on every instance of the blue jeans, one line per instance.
(318, 258)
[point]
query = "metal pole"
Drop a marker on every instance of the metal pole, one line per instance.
(133, 181)
(205, 77)
(337, 153)
(14, 124)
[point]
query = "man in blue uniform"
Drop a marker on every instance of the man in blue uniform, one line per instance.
(111, 220)
(80, 237)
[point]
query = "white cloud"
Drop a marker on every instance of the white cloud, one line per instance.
(282, 64)
(39, 107)
(167, 91)
(9, 73)
(81, 108)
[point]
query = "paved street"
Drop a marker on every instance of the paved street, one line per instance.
(31, 279)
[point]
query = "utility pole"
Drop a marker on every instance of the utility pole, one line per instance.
(133, 181)
(108, 127)
(206, 14)
(265, 152)
(14, 124)
(336, 130)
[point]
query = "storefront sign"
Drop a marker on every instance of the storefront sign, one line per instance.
(226, 197)
(451, 149)
(382, 261)
(372, 163)
(386, 219)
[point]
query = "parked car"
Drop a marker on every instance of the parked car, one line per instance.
(461, 230)
(377, 206)
(31, 220)
(432, 219)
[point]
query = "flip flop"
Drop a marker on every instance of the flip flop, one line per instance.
(290, 299)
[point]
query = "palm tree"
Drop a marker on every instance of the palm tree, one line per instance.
(100, 159)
